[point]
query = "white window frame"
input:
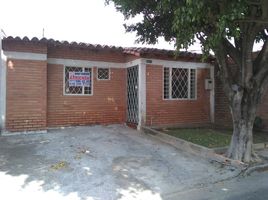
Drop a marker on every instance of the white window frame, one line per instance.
(67, 94)
(170, 84)
(109, 72)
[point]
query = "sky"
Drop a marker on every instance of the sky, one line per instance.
(87, 21)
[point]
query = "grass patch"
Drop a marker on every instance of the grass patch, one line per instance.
(210, 138)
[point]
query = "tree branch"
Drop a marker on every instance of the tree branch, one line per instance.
(232, 52)
(259, 57)
(264, 6)
(201, 38)
(262, 88)
(260, 63)
(237, 42)
(264, 84)
(225, 73)
(248, 35)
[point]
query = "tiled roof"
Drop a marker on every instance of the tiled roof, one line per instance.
(138, 51)
(145, 50)
(52, 42)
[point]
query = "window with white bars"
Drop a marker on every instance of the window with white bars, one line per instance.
(78, 80)
(179, 83)
(103, 73)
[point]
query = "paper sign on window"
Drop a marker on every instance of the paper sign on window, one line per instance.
(79, 79)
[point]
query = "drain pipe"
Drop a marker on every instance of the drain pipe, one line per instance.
(2, 86)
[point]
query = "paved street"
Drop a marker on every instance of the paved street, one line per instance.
(254, 187)
(100, 163)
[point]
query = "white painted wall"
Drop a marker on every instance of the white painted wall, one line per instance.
(25, 55)
(1, 83)
(2, 87)
(142, 93)
(212, 94)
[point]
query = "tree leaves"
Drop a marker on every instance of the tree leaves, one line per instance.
(184, 20)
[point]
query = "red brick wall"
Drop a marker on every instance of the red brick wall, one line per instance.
(26, 95)
(175, 112)
(85, 54)
(223, 116)
(35, 97)
(106, 106)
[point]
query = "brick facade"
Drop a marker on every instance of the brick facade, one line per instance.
(26, 103)
(83, 54)
(107, 105)
(160, 112)
(223, 118)
(35, 96)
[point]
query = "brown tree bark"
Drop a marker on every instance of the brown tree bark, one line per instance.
(244, 76)
(243, 110)
(244, 91)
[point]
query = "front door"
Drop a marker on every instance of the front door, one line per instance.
(132, 95)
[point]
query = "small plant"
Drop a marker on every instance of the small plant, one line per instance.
(59, 165)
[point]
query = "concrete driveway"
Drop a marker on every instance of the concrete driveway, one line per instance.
(98, 162)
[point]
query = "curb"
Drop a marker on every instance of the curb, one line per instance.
(7, 134)
(209, 154)
(258, 168)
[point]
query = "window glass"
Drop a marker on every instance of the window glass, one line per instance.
(78, 80)
(179, 83)
(103, 74)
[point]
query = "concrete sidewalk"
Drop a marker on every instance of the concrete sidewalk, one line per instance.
(98, 162)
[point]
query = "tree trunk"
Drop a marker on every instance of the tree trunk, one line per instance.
(243, 112)
(241, 143)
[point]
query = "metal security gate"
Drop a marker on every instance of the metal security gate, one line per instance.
(132, 95)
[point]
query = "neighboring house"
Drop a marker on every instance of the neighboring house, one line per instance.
(47, 83)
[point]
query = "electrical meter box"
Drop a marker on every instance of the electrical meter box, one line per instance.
(208, 84)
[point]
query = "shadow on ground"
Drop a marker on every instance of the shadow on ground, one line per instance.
(83, 163)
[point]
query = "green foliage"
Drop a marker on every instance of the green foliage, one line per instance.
(210, 138)
(185, 20)
(205, 137)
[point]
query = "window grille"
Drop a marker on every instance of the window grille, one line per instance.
(179, 83)
(166, 83)
(82, 84)
(103, 74)
(132, 94)
(192, 83)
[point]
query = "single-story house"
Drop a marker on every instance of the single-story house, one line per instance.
(47, 83)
